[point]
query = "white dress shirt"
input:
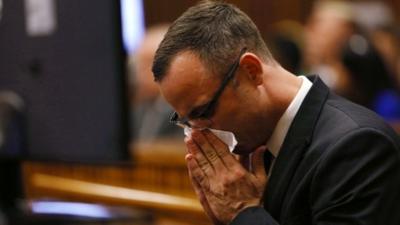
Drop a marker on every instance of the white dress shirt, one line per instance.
(275, 142)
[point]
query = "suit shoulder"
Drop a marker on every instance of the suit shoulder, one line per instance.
(340, 119)
(343, 116)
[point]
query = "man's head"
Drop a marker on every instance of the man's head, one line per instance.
(199, 51)
(214, 31)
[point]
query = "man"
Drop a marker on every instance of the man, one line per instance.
(326, 160)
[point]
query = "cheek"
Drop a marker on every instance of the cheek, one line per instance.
(231, 117)
(234, 114)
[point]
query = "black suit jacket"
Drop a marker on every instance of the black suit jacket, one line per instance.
(339, 164)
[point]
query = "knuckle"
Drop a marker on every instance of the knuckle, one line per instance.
(223, 151)
(198, 137)
(234, 177)
(239, 174)
(200, 141)
(191, 146)
(212, 156)
(200, 179)
(222, 189)
(203, 164)
(228, 182)
(205, 185)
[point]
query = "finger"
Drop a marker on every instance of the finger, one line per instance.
(196, 172)
(199, 192)
(202, 161)
(221, 148)
(185, 140)
(196, 185)
(208, 150)
(257, 162)
(203, 200)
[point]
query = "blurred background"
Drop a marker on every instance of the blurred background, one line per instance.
(84, 132)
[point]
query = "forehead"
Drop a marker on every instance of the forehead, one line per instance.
(187, 83)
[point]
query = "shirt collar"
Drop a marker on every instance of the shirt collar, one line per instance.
(275, 142)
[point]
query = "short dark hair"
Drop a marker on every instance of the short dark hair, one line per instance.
(215, 31)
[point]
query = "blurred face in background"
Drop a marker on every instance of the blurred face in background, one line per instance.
(145, 89)
(327, 29)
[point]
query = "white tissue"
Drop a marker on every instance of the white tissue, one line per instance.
(225, 136)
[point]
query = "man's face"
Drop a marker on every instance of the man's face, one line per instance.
(188, 84)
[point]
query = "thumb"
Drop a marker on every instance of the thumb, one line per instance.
(257, 162)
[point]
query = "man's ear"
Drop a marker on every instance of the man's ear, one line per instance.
(252, 67)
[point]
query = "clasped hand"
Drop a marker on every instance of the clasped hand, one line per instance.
(222, 184)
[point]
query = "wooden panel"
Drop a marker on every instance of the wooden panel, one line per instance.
(115, 194)
(156, 181)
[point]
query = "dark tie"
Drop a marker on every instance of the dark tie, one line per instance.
(268, 157)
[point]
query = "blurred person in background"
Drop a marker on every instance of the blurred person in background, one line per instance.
(342, 43)
(378, 20)
(329, 26)
(370, 82)
(150, 111)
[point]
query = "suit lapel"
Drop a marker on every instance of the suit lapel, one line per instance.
(296, 142)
